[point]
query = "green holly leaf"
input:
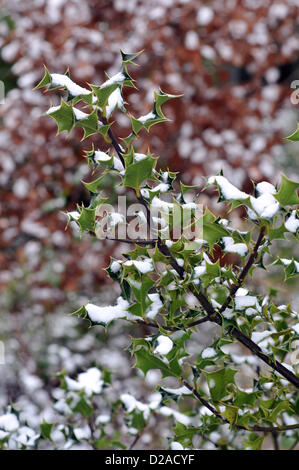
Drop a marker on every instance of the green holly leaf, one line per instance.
(46, 429)
(282, 406)
(129, 58)
(103, 93)
(151, 118)
(212, 231)
(136, 125)
(87, 219)
(160, 98)
(145, 362)
(295, 136)
(63, 116)
(46, 80)
(287, 194)
(185, 188)
(243, 398)
(212, 270)
(291, 267)
(218, 382)
(90, 124)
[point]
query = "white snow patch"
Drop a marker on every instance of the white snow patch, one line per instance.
(138, 157)
(146, 117)
(79, 115)
(181, 418)
(115, 266)
(162, 187)
(9, 422)
(155, 307)
(176, 446)
(199, 271)
(115, 101)
(265, 206)
(178, 391)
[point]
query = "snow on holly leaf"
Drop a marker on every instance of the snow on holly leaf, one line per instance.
(155, 116)
(292, 222)
(265, 205)
(228, 191)
(63, 116)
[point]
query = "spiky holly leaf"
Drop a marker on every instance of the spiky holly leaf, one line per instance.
(63, 116)
(103, 93)
(185, 188)
(291, 267)
(93, 186)
(277, 233)
(153, 117)
(136, 125)
(231, 413)
(287, 194)
(212, 270)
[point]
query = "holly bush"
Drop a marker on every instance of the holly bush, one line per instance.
(188, 266)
